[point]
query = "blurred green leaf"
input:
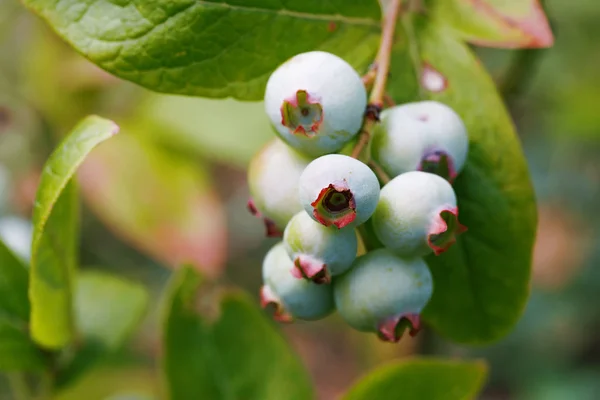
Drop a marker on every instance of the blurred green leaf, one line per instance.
(419, 379)
(13, 285)
(17, 351)
(54, 244)
(222, 347)
(211, 48)
(482, 282)
(227, 131)
(496, 23)
(113, 380)
(107, 310)
(160, 202)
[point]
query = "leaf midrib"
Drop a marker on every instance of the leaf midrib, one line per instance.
(295, 14)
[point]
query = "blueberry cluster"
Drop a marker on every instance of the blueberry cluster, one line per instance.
(324, 202)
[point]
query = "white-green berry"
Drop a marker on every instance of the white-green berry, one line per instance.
(316, 102)
(318, 252)
(384, 293)
(273, 177)
(292, 297)
(427, 136)
(417, 214)
(338, 190)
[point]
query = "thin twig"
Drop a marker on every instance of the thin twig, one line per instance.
(382, 67)
(381, 174)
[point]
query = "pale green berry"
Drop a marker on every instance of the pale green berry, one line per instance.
(427, 136)
(338, 190)
(292, 297)
(384, 293)
(318, 252)
(273, 177)
(417, 214)
(316, 102)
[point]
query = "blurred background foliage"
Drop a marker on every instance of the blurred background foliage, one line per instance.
(184, 199)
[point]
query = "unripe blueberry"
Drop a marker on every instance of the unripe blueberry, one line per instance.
(427, 136)
(292, 297)
(318, 252)
(273, 177)
(316, 102)
(416, 214)
(383, 293)
(338, 190)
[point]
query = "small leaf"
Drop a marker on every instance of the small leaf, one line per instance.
(17, 351)
(482, 282)
(210, 48)
(54, 243)
(13, 285)
(231, 352)
(107, 310)
(418, 379)
(496, 23)
(161, 203)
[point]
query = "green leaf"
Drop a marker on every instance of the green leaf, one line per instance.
(231, 352)
(210, 128)
(210, 48)
(17, 351)
(107, 310)
(13, 285)
(481, 283)
(160, 202)
(54, 243)
(496, 23)
(418, 379)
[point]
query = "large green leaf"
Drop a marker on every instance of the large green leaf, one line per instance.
(107, 310)
(54, 243)
(17, 351)
(13, 285)
(418, 379)
(481, 284)
(496, 23)
(210, 48)
(160, 202)
(229, 351)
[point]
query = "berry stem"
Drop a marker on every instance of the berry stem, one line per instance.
(382, 67)
(381, 174)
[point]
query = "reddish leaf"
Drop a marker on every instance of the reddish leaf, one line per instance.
(160, 203)
(496, 23)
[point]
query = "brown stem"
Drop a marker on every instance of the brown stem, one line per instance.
(382, 67)
(381, 174)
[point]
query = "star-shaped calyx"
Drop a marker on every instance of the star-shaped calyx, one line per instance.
(335, 205)
(302, 114)
(444, 230)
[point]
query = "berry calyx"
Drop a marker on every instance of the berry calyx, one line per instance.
(269, 298)
(302, 114)
(440, 163)
(335, 205)
(271, 228)
(337, 190)
(392, 329)
(444, 230)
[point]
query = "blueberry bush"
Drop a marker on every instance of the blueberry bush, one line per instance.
(392, 185)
